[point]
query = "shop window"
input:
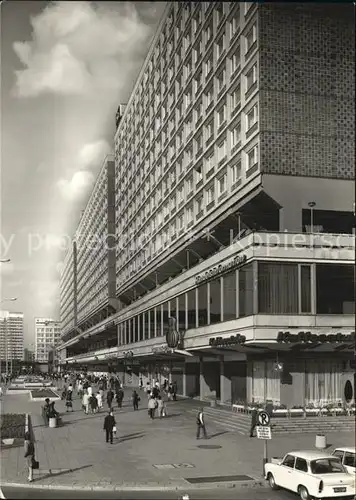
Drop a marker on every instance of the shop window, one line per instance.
(277, 288)
(181, 312)
(202, 305)
(229, 296)
(134, 329)
(246, 284)
(173, 311)
(305, 289)
(191, 309)
(215, 301)
(146, 320)
(323, 381)
(159, 321)
(335, 289)
(165, 316)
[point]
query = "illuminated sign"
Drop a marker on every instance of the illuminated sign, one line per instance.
(220, 269)
(305, 337)
(224, 342)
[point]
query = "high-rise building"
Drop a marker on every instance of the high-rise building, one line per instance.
(29, 356)
(68, 291)
(91, 290)
(47, 335)
(11, 336)
(234, 161)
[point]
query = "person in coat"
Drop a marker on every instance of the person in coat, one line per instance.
(135, 400)
(85, 402)
(201, 424)
(119, 397)
(161, 407)
(152, 405)
(99, 399)
(69, 402)
(93, 402)
(29, 455)
(109, 424)
(253, 421)
(109, 398)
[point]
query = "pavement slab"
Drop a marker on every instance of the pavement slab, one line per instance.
(77, 454)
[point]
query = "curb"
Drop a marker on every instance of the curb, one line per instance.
(142, 487)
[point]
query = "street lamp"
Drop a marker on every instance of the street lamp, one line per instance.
(311, 205)
(3, 261)
(10, 299)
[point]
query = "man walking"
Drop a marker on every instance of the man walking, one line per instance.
(253, 421)
(201, 424)
(109, 398)
(109, 425)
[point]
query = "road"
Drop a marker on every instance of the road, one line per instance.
(201, 494)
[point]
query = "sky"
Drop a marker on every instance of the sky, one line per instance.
(65, 68)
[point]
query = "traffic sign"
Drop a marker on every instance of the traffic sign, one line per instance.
(263, 418)
(263, 432)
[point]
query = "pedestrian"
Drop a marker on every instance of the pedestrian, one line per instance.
(141, 383)
(109, 426)
(109, 398)
(99, 400)
(93, 402)
(175, 389)
(201, 423)
(85, 402)
(119, 397)
(148, 389)
(155, 392)
(135, 400)
(152, 405)
(161, 407)
(69, 403)
(90, 390)
(254, 414)
(29, 455)
(170, 392)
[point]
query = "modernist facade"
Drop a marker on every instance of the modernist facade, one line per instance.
(47, 337)
(89, 277)
(11, 336)
(234, 206)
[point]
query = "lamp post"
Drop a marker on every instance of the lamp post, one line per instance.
(3, 261)
(311, 205)
(11, 299)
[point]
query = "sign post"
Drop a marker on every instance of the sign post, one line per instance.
(264, 432)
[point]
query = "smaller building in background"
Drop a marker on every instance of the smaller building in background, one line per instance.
(47, 333)
(11, 336)
(29, 356)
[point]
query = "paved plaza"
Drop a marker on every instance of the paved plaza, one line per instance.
(143, 452)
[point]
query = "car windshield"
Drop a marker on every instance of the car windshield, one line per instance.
(326, 466)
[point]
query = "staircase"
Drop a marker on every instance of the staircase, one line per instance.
(240, 423)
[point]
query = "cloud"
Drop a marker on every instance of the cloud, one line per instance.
(93, 154)
(45, 294)
(79, 48)
(77, 187)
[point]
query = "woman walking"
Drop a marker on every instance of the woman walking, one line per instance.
(152, 405)
(69, 402)
(29, 455)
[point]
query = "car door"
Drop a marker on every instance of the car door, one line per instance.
(349, 462)
(301, 475)
(286, 473)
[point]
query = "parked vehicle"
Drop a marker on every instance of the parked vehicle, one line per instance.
(311, 474)
(347, 457)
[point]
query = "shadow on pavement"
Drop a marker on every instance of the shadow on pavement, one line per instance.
(65, 471)
(129, 437)
(217, 434)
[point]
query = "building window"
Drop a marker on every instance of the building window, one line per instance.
(189, 214)
(252, 157)
(334, 289)
(235, 134)
(222, 150)
(235, 61)
(221, 80)
(198, 143)
(208, 97)
(207, 66)
(189, 185)
(199, 204)
(220, 46)
(251, 37)
(191, 309)
(252, 116)
(209, 130)
(215, 301)
(234, 23)
(277, 288)
(222, 184)
(180, 222)
(235, 97)
(251, 76)
(203, 305)
(229, 296)
(209, 162)
(221, 115)
(246, 288)
(210, 194)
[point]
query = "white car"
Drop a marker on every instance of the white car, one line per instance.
(311, 474)
(347, 455)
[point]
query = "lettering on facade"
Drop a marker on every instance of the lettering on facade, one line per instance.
(162, 349)
(305, 337)
(220, 269)
(223, 342)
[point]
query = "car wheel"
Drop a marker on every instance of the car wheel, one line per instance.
(272, 482)
(303, 493)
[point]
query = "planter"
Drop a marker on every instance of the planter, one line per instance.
(296, 411)
(52, 422)
(320, 441)
(312, 411)
(281, 412)
(238, 408)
